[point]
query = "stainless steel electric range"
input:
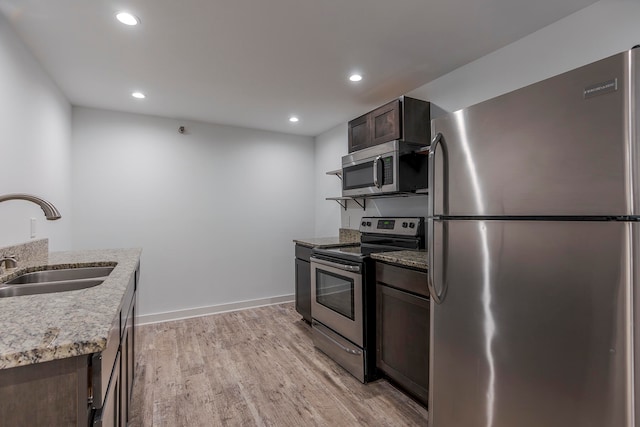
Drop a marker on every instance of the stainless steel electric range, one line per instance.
(343, 291)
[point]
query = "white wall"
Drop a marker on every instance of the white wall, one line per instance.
(215, 210)
(328, 150)
(35, 146)
(596, 32)
(601, 30)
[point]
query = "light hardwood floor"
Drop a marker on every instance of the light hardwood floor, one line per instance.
(255, 367)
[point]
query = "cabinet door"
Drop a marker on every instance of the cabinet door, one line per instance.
(402, 350)
(131, 359)
(386, 123)
(52, 393)
(303, 289)
(126, 372)
(109, 414)
(359, 133)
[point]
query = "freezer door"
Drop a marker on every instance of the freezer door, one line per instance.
(535, 324)
(559, 147)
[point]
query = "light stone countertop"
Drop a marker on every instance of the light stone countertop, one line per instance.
(415, 259)
(324, 242)
(346, 237)
(44, 327)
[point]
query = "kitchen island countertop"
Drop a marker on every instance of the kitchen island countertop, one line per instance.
(414, 259)
(44, 327)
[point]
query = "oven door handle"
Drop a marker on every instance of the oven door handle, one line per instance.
(344, 267)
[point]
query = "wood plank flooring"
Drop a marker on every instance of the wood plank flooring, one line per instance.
(255, 367)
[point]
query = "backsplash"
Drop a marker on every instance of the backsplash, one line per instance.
(348, 235)
(391, 206)
(27, 254)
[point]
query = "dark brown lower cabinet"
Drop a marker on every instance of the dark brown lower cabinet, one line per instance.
(88, 390)
(110, 413)
(402, 328)
(45, 394)
(303, 282)
(126, 368)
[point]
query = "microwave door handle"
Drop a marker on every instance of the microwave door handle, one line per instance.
(377, 181)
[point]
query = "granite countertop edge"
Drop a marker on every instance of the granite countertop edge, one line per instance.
(414, 259)
(324, 242)
(45, 327)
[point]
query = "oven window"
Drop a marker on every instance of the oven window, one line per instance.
(335, 292)
(358, 176)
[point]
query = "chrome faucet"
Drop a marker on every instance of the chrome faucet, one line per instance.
(9, 262)
(50, 211)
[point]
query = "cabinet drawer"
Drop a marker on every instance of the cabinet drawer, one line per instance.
(402, 278)
(303, 252)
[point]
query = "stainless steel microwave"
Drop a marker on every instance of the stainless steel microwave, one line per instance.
(392, 167)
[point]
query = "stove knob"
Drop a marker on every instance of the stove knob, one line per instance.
(404, 225)
(412, 225)
(368, 223)
(364, 223)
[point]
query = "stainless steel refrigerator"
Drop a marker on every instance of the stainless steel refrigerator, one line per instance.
(534, 254)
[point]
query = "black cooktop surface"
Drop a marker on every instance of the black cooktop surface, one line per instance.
(380, 235)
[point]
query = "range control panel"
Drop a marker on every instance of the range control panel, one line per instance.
(408, 226)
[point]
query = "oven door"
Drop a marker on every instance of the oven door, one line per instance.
(336, 297)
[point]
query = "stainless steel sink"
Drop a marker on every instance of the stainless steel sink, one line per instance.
(47, 281)
(59, 275)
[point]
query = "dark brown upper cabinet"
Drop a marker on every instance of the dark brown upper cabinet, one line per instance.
(407, 119)
(386, 123)
(359, 134)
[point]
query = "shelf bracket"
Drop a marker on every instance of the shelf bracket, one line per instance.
(342, 203)
(362, 205)
(337, 172)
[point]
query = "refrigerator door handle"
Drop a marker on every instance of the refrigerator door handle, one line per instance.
(438, 140)
(436, 296)
(431, 276)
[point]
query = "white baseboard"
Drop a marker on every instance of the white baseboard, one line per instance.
(213, 309)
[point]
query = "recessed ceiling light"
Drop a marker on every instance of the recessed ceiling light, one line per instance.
(138, 95)
(127, 19)
(293, 119)
(355, 77)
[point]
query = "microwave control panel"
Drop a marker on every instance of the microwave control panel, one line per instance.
(388, 170)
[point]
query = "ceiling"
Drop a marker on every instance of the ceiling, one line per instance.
(254, 63)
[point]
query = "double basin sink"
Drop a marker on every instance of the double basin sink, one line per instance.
(60, 280)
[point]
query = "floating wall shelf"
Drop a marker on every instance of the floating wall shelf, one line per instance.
(361, 200)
